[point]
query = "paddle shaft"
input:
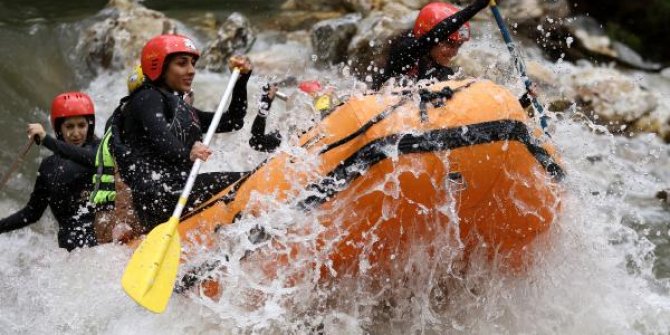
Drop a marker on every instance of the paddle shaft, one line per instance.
(518, 62)
(17, 161)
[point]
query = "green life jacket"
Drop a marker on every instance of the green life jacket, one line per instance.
(104, 191)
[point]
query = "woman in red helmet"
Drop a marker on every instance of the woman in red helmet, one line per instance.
(64, 178)
(157, 136)
(425, 51)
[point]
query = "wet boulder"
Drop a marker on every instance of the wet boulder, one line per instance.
(315, 5)
(414, 4)
(234, 36)
(666, 73)
(367, 48)
(294, 48)
(530, 12)
(583, 37)
(611, 98)
(116, 42)
(330, 39)
(294, 20)
(359, 6)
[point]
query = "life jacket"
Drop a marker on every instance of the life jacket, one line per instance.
(104, 190)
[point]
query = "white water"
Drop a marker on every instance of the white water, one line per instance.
(595, 275)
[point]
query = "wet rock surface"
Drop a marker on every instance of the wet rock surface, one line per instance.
(116, 42)
(611, 98)
(234, 36)
(330, 39)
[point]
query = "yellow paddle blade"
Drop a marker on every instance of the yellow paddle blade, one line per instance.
(150, 275)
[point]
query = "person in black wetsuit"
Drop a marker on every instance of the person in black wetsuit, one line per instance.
(260, 141)
(157, 136)
(64, 178)
(425, 52)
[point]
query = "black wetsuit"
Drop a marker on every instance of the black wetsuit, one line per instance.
(407, 53)
(260, 141)
(152, 141)
(63, 183)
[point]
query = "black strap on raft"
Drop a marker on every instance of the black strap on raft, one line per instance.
(437, 99)
(378, 118)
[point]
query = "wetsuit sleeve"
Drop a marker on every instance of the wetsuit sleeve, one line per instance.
(406, 50)
(149, 112)
(33, 211)
(233, 119)
(81, 155)
(261, 142)
(525, 100)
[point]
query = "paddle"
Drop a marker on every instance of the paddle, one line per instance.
(18, 160)
(518, 62)
(151, 273)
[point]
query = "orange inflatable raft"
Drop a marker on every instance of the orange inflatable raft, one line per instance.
(384, 168)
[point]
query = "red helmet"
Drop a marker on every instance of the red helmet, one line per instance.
(159, 47)
(70, 104)
(310, 87)
(434, 13)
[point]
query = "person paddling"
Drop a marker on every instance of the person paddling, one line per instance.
(63, 179)
(426, 51)
(158, 135)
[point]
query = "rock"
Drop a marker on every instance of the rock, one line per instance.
(234, 36)
(658, 121)
(206, 23)
(397, 10)
(540, 74)
(648, 124)
(520, 11)
(294, 51)
(615, 100)
(628, 56)
(475, 60)
(666, 73)
(359, 6)
(583, 37)
(365, 7)
(330, 38)
(415, 4)
(315, 5)
(591, 36)
(116, 42)
(300, 19)
(556, 9)
(367, 48)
